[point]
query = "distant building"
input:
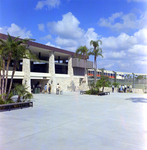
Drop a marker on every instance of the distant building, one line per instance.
(110, 74)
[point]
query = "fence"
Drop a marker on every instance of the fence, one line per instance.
(137, 84)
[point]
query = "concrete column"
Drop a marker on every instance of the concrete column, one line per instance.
(70, 73)
(70, 68)
(86, 77)
(52, 71)
(26, 70)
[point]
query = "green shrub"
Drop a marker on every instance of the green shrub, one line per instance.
(115, 84)
(2, 102)
(92, 92)
(5, 102)
(21, 90)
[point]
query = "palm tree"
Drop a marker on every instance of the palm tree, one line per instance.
(6, 55)
(20, 52)
(83, 51)
(1, 60)
(96, 51)
(10, 49)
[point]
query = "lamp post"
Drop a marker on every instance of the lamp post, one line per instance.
(133, 80)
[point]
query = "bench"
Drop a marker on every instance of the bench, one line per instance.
(20, 104)
(104, 93)
(82, 92)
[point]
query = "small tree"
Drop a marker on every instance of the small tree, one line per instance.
(103, 82)
(21, 90)
(115, 84)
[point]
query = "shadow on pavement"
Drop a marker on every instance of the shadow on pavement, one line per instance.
(138, 100)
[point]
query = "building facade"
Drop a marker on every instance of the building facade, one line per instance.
(54, 66)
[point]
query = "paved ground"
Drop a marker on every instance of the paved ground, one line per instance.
(77, 122)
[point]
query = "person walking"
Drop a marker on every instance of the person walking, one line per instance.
(49, 89)
(45, 88)
(121, 89)
(125, 88)
(112, 88)
(57, 89)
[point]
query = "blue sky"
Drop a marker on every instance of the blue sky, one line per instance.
(68, 24)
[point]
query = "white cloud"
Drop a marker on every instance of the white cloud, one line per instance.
(109, 65)
(49, 3)
(66, 42)
(115, 16)
(49, 44)
(121, 42)
(131, 51)
(41, 27)
(15, 30)
(67, 27)
(47, 37)
(115, 55)
(141, 62)
(124, 21)
(141, 36)
(120, 53)
(70, 35)
(88, 36)
(138, 50)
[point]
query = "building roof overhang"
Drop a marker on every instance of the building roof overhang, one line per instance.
(44, 49)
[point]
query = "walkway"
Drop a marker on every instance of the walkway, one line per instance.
(77, 122)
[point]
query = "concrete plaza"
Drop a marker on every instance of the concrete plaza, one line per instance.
(77, 122)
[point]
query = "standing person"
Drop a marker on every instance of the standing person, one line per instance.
(57, 89)
(45, 88)
(121, 89)
(128, 88)
(112, 88)
(125, 88)
(131, 88)
(49, 88)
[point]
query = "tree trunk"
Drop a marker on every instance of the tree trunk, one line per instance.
(103, 87)
(14, 68)
(0, 82)
(95, 67)
(6, 80)
(18, 99)
(3, 80)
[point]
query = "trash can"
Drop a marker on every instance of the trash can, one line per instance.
(38, 90)
(35, 92)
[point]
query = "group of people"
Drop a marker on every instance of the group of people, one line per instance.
(49, 88)
(58, 89)
(123, 88)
